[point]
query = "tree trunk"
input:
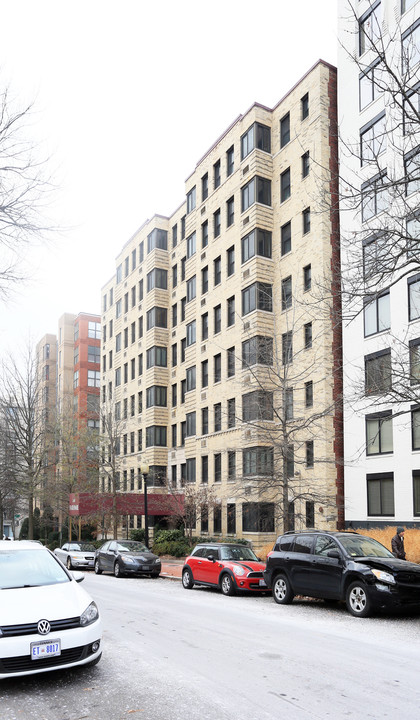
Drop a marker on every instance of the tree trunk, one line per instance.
(31, 517)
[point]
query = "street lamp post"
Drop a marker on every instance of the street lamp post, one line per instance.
(144, 469)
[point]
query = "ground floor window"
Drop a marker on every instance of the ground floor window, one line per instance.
(380, 494)
(258, 517)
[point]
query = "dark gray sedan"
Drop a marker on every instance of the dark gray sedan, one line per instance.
(126, 557)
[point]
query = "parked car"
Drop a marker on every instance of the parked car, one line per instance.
(227, 567)
(342, 566)
(47, 621)
(77, 554)
(126, 557)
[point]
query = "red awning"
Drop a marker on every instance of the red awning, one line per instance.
(127, 504)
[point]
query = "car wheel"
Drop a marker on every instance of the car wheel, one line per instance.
(187, 579)
(282, 591)
(94, 662)
(227, 585)
(117, 569)
(357, 599)
(98, 570)
(69, 565)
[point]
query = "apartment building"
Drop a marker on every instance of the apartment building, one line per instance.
(378, 101)
(221, 350)
(69, 374)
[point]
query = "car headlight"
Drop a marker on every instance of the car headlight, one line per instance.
(157, 560)
(89, 615)
(238, 570)
(384, 576)
(127, 559)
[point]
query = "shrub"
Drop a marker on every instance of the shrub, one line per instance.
(176, 548)
(136, 535)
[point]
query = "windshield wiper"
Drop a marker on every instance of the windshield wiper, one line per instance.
(17, 587)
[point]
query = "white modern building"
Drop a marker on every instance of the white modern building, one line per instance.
(378, 115)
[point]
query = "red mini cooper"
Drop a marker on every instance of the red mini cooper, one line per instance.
(228, 567)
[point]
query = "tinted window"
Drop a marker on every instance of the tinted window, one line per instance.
(286, 543)
(303, 544)
(324, 544)
(214, 552)
(198, 552)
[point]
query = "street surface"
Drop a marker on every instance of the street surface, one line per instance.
(169, 653)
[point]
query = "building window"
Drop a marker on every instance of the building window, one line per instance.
(257, 350)
(191, 245)
(231, 311)
(191, 333)
(191, 199)
(370, 27)
(119, 274)
(416, 493)
(307, 335)
(76, 379)
(309, 451)
(157, 317)
(305, 164)
(217, 223)
(183, 305)
(94, 330)
(174, 395)
(307, 278)
(309, 394)
(257, 296)
(216, 174)
(204, 472)
(231, 362)
(374, 196)
(414, 346)
(414, 297)
(231, 518)
(286, 238)
(372, 139)
(190, 420)
(258, 517)
(204, 280)
(285, 188)
(217, 319)
(156, 435)
(157, 239)
(380, 494)
(204, 326)
(230, 211)
(183, 347)
(304, 106)
(204, 234)
(306, 220)
(287, 347)
(257, 136)
(174, 355)
(258, 461)
(257, 405)
(257, 242)
(230, 253)
(230, 161)
(217, 268)
(204, 373)
(285, 130)
(378, 375)
(183, 227)
(204, 187)
(413, 236)
(156, 396)
(190, 474)
(218, 467)
(412, 171)
(191, 289)
(411, 47)
(94, 378)
(370, 84)
(174, 315)
(191, 378)
(415, 427)
(286, 293)
(217, 368)
(376, 314)
(217, 417)
(204, 421)
(257, 190)
(231, 412)
(379, 433)
(157, 278)
(183, 263)
(156, 357)
(288, 408)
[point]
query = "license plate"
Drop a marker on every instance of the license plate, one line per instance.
(47, 648)
(262, 583)
(146, 567)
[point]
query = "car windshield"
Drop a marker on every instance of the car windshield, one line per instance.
(238, 553)
(361, 546)
(131, 546)
(82, 547)
(29, 568)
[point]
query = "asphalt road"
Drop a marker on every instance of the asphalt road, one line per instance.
(170, 653)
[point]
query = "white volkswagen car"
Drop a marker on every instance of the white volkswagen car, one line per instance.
(47, 621)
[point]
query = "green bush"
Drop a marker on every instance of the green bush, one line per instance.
(176, 548)
(169, 535)
(137, 535)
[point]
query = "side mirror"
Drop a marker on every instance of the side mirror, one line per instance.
(78, 576)
(334, 554)
(211, 558)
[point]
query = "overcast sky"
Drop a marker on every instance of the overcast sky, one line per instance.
(128, 96)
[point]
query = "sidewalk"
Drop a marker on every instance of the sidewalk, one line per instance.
(172, 568)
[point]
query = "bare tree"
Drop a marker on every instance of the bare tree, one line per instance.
(192, 504)
(24, 190)
(110, 447)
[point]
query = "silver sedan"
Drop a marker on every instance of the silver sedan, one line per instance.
(77, 555)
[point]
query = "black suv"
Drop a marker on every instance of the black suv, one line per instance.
(341, 566)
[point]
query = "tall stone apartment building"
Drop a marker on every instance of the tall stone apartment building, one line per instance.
(69, 376)
(378, 101)
(220, 341)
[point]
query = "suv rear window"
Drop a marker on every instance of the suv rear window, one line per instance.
(303, 543)
(286, 543)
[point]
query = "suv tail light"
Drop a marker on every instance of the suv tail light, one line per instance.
(269, 554)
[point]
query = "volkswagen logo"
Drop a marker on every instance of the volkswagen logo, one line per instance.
(44, 627)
